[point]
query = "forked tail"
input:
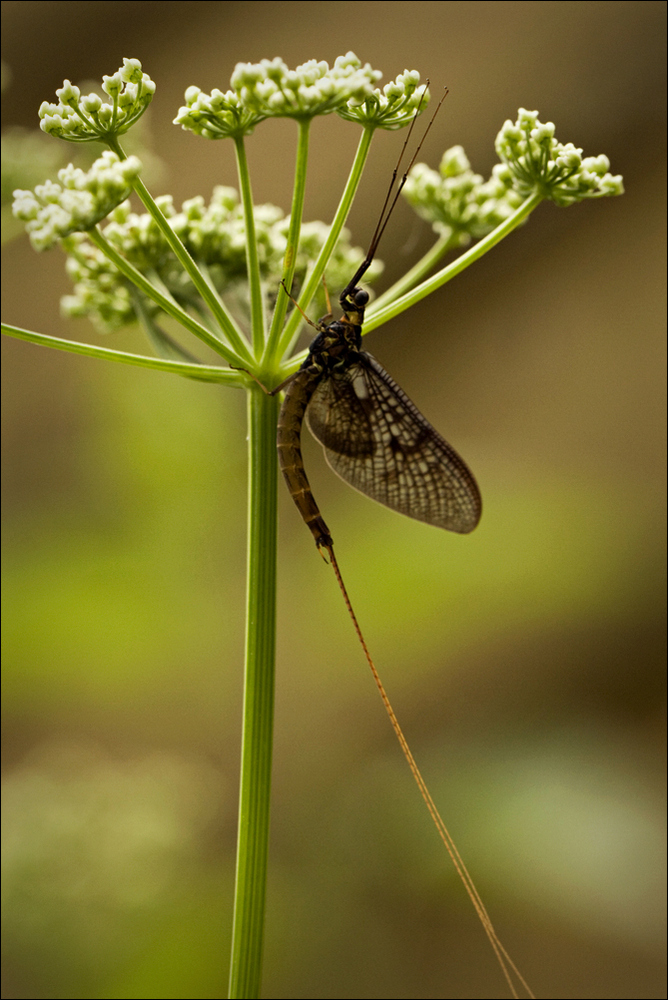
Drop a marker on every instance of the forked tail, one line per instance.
(507, 965)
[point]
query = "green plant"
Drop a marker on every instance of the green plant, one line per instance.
(215, 269)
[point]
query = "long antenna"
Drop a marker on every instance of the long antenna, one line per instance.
(386, 212)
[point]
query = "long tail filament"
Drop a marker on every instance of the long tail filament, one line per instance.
(504, 959)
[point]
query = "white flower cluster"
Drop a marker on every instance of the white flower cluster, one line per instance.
(81, 199)
(392, 108)
(216, 115)
(269, 89)
(215, 236)
(272, 90)
(89, 119)
(537, 162)
(459, 204)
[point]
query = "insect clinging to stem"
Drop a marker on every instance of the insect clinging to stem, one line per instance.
(373, 436)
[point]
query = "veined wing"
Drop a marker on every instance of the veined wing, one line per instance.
(378, 441)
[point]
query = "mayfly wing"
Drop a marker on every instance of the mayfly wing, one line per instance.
(377, 440)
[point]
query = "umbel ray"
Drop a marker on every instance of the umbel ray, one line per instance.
(376, 439)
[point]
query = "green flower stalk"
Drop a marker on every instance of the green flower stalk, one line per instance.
(215, 267)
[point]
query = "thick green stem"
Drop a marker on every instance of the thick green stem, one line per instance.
(253, 835)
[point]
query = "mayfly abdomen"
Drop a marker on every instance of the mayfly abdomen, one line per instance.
(288, 440)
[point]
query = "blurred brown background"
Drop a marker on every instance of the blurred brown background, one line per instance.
(525, 661)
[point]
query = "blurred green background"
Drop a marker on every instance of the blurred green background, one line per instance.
(525, 662)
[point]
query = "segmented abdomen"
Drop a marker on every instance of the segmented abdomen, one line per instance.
(288, 440)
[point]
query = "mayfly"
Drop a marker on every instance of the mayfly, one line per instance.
(374, 436)
(376, 439)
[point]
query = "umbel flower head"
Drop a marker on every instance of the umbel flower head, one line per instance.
(273, 90)
(230, 257)
(216, 115)
(459, 204)
(394, 108)
(269, 89)
(78, 202)
(537, 163)
(89, 119)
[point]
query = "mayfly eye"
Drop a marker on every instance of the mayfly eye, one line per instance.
(361, 297)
